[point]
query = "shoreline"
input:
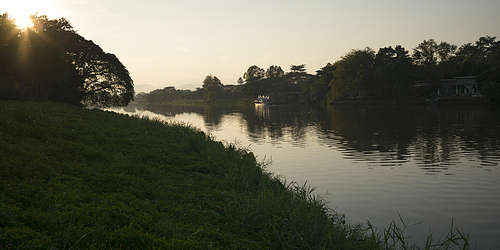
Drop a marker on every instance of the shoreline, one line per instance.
(79, 178)
(455, 100)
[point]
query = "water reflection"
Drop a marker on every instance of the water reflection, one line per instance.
(371, 134)
(436, 138)
(212, 115)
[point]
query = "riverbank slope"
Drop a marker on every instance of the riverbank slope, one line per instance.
(89, 179)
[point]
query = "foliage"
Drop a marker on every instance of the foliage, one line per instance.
(394, 237)
(254, 73)
(213, 89)
(339, 91)
(317, 90)
(240, 81)
(298, 68)
(353, 75)
(274, 71)
(473, 59)
(492, 91)
(393, 72)
(356, 68)
(50, 61)
(432, 59)
(386, 76)
(212, 83)
(170, 94)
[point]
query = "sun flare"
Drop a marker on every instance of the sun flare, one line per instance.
(23, 21)
(21, 10)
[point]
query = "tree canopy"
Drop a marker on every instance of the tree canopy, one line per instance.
(354, 73)
(393, 71)
(213, 88)
(274, 71)
(298, 68)
(254, 73)
(212, 83)
(50, 61)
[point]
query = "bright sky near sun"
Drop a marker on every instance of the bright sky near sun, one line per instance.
(178, 42)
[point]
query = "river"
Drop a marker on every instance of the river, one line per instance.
(431, 165)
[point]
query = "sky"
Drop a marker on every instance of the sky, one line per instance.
(179, 42)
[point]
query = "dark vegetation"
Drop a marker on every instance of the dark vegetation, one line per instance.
(362, 75)
(50, 61)
(74, 178)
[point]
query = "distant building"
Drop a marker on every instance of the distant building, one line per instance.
(457, 86)
(229, 87)
(299, 78)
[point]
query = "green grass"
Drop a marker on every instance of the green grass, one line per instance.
(72, 178)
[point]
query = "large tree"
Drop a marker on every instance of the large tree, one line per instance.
(274, 71)
(297, 69)
(213, 88)
(212, 83)
(470, 60)
(52, 62)
(316, 91)
(483, 55)
(393, 71)
(9, 42)
(353, 75)
(253, 74)
(431, 59)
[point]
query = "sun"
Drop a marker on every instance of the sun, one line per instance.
(21, 10)
(23, 20)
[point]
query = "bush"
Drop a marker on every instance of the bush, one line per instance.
(492, 91)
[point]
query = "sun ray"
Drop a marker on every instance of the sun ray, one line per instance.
(21, 10)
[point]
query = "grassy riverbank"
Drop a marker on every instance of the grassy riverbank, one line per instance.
(89, 179)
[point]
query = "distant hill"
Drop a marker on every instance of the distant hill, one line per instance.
(143, 88)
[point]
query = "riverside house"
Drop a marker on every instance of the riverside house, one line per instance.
(457, 86)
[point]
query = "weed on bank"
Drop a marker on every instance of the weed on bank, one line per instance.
(73, 178)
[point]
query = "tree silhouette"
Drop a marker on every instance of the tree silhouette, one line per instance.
(253, 74)
(274, 71)
(50, 61)
(393, 71)
(353, 75)
(9, 41)
(298, 68)
(213, 88)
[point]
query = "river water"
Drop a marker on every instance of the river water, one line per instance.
(429, 165)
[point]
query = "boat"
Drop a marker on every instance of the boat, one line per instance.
(263, 100)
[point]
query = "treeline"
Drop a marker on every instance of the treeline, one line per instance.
(50, 61)
(255, 81)
(389, 73)
(170, 94)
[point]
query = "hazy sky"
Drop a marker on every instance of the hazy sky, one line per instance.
(179, 42)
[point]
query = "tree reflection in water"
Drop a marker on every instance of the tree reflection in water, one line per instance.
(434, 136)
